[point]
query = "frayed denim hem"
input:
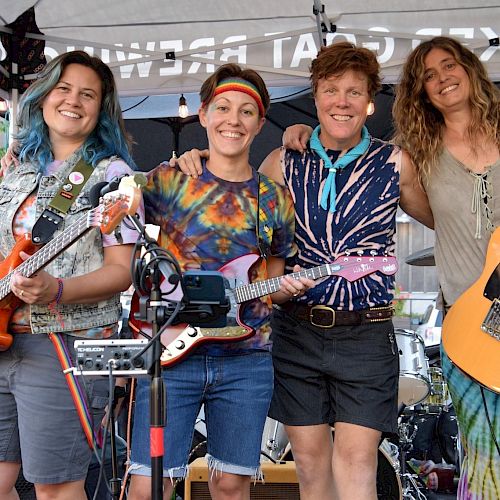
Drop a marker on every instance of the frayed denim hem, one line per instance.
(172, 473)
(216, 466)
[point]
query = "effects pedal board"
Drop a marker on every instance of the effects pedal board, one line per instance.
(94, 357)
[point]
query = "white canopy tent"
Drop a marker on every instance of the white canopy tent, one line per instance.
(162, 46)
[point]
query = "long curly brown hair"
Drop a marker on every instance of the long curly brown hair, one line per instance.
(420, 126)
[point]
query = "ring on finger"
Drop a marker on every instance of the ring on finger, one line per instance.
(21, 293)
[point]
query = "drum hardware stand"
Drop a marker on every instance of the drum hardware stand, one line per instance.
(407, 431)
(272, 442)
(115, 482)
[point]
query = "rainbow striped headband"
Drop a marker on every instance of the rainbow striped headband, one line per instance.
(241, 85)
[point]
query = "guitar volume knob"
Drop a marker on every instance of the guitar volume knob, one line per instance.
(179, 344)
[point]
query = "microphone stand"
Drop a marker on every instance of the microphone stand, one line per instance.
(157, 391)
(155, 313)
(157, 396)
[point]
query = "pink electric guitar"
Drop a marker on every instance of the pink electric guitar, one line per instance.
(180, 339)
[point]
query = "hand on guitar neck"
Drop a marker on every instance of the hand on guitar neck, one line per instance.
(39, 288)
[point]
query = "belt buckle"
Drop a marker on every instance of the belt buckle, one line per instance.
(322, 308)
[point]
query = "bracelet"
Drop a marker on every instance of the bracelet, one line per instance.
(60, 285)
(53, 305)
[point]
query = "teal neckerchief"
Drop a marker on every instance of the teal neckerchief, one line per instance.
(329, 190)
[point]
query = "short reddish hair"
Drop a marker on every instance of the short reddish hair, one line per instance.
(340, 57)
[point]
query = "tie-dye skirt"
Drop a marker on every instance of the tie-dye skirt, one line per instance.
(480, 474)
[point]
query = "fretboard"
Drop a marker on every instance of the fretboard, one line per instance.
(260, 288)
(48, 252)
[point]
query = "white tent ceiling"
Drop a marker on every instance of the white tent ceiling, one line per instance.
(277, 37)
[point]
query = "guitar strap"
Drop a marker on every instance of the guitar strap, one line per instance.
(50, 219)
(42, 232)
(266, 203)
(74, 387)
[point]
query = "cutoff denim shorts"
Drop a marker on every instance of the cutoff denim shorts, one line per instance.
(236, 392)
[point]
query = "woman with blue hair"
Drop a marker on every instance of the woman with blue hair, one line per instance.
(69, 122)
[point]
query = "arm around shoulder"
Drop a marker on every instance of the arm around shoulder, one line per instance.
(271, 166)
(413, 198)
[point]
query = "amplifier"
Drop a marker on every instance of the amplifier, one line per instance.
(280, 482)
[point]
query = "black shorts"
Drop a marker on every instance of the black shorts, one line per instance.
(340, 374)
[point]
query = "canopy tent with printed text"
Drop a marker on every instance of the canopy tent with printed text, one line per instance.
(160, 47)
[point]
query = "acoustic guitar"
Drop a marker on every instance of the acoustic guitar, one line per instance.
(114, 206)
(178, 340)
(471, 328)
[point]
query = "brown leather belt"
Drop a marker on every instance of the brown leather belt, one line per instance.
(326, 317)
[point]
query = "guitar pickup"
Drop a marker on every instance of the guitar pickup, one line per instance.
(491, 324)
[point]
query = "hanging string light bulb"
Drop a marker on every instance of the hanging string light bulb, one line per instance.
(183, 109)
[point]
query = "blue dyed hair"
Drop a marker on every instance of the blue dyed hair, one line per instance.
(109, 137)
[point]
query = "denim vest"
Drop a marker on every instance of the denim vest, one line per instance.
(82, 257)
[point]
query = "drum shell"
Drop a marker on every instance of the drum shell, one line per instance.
(414, 384)
(439, 398)
(388, 468)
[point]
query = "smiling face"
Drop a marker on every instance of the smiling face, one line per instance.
(446, 82)
(342, 103)
(232, 121)
(71, 109)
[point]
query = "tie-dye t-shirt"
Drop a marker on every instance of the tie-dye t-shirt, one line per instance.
(207, 222)
(365, 220)
(23, 223)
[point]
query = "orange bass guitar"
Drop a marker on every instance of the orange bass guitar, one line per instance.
(107, 215)
(471, 328)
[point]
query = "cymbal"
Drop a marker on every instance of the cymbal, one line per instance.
(423, 257)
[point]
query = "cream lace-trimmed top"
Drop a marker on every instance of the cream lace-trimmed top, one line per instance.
(466, 208)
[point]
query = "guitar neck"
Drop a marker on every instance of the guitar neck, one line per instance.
(260, 288)
(48, 252)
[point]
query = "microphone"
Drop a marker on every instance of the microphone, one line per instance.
(99, 189)
(102, 188)
(112, 185)
(95, 193)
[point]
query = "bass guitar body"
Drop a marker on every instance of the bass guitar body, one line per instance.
(10, 303)
(471, 328)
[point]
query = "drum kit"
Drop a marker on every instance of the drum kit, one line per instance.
(423, 396)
